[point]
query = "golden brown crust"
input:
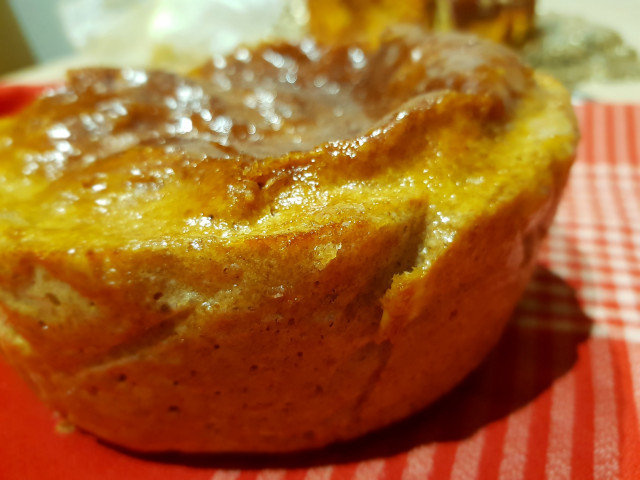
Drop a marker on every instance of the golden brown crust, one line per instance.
(347, 21)
(193, 311)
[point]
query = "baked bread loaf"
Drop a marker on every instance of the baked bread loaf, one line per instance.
(508, 21)
(337, 21)
(291, 246)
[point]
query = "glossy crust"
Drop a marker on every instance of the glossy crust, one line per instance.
(200, 290)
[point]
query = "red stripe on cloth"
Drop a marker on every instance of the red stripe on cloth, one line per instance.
(585, 148)
(606, 449)
(460, 459)
(582, 436)
(562, 416)
(487, 402)
(541, 409)
(395, 466)
(627, 414)
(608, 135)
(582, 462)
(344, 472)
(634, 133)
(297, 474)
(443, 458)
(493, 448)
(514, 451)
(580, 112)
(599, 136)
(503, 400)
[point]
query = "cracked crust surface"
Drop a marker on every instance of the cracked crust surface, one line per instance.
(169, 281)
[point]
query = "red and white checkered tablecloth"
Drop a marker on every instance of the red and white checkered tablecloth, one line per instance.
(558, 398)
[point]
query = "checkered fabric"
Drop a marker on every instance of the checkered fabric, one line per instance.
(558, 398)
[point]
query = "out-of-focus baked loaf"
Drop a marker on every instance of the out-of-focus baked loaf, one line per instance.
(292, 246)
(336, 21)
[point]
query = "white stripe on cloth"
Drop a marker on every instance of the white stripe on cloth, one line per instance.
(419, 463)
(630, 335)
(466, 464)
(514, 449)
(467, 460)
(559, 450)
(606, 441)
(598, 313)
(271, 474)
(369, 470)
(319, 473)
(514, 453)
(226, 475)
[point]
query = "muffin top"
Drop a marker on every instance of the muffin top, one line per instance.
(279, 139)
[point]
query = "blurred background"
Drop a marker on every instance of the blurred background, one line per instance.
(126, 31)
(591, 45)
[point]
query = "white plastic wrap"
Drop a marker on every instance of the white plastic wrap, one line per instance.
(160, 32)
